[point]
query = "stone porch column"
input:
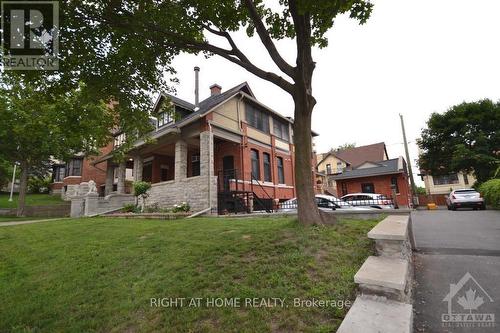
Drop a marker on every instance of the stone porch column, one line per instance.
(138, 164)
(122, 167)
(181, 152)
(110, 175)
(206, 153)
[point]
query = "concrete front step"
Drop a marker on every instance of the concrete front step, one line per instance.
(372, 315)
(384, 276)
(393, 227)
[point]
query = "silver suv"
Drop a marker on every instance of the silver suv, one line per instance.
(465, 198)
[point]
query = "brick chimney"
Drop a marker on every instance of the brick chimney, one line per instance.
(215, 89)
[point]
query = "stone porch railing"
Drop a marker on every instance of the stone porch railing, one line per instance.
(91, 204)
(192, 190)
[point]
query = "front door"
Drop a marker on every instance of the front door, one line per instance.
(228, 171)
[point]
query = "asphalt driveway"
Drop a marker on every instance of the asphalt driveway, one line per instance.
(460, 248)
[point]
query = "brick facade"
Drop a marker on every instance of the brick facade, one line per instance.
(382, 185)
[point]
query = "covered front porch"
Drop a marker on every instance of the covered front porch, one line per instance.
(179, 167)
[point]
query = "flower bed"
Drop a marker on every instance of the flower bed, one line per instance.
(160, 216)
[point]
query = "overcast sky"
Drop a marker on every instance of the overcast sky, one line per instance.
(411, 57)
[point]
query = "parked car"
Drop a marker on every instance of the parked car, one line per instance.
(324, 202)
(369, 200)
(465, 198)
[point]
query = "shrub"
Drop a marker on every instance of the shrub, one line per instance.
(141, 189)
(38, 185)
(183, 207)
(491, 192)
(131, 208)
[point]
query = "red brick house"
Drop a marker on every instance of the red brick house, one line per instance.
(377, 177)
(66, 176)
(226, 153)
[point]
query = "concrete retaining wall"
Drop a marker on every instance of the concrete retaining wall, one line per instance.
(40, 211)
(384, 282)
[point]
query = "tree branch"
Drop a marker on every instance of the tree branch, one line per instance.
(181, 42)
(268, 42)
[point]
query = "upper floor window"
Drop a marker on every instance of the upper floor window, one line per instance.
(445, 179)
(329, 169)
(74, 167)
(257, 118)
(254, 155)
(280, 129)
(165, 118)
(339, 167)
(120, 139)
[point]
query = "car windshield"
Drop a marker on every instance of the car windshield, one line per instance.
(465, 191)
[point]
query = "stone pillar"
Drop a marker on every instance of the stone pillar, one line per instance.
(91, 204)
(138, 164)
(77, 207)
(110, 177)
(180, 160)
(206, 153)
(121, 177)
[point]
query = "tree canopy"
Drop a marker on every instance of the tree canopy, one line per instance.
(37, 125)
(464, 138)
(123, 49)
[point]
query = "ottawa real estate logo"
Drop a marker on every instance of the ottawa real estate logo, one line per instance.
(30, 35)
(468, 305)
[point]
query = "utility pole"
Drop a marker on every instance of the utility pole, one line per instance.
(412, 181)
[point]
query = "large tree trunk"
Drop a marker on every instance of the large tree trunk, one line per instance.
(308, 211)
(23, 187)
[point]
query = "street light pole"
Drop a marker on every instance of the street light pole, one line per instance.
(13, 181)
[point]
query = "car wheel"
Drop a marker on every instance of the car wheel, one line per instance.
(453, 207)
(449, 208)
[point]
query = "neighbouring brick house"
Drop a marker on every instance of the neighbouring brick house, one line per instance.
(226, 153)
(377, 177)
(67, 176)
(335, 162)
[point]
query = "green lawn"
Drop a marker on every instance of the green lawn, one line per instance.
(100, 274)
(31, 200)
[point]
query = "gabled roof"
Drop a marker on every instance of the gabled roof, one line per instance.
(326, 155)
(387, 167)
(358, 155)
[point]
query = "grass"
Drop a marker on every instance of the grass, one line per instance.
(99, 275)
(31, 200)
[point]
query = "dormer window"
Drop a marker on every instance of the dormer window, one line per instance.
(119, 140)
(165, 118)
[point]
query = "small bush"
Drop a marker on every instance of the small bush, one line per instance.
(141, 189)
(491, 192)
(183, 207)
(131, 208)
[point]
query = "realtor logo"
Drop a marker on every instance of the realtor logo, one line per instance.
(30, 35)
(467, 302)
